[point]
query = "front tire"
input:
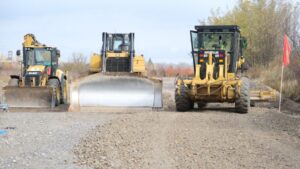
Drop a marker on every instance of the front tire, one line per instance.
(242, 103)
(63, 91)
(182, 99)
(54, 83)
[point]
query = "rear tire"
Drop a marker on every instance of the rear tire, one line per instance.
(13, 82)
(242, 103)
(182, 100)
(54, 83)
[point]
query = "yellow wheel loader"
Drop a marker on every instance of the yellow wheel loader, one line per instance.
(119, 78)
(40, 83)
(217, 57)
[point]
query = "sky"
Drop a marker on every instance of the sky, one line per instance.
(161, 27)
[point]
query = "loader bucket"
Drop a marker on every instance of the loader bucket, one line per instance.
(28, 97)
(117, 91)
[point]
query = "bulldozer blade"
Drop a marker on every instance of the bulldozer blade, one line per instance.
(117, 91)
(28, 97)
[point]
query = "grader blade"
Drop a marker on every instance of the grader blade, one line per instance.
(117, 91)
(263, 95)
(28, 97)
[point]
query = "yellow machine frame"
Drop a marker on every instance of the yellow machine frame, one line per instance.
(209, 89)
(96, 62)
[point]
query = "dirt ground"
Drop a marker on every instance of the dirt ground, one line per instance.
(214, 137)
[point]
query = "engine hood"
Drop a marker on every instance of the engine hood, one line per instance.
(36, 68)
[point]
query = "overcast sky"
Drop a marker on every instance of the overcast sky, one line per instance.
(161, 26)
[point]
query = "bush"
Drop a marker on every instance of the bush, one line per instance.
(77, 66)
(168, 70)
(271, 76)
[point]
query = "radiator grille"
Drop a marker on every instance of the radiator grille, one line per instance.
(118, 64)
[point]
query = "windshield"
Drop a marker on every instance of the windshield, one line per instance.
(39, 57)
(118, 42)
(211, 41)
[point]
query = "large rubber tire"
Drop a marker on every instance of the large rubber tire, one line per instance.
(13, 82)
(242, 102)
(54, 83)
(63, 98)
(182, 100)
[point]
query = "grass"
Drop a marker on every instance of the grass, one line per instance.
(271, 76)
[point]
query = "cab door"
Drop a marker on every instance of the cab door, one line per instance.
(195, 47)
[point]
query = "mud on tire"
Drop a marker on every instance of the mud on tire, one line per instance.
(63, 97)
(242, 103)
(54, 83)
(182, 100)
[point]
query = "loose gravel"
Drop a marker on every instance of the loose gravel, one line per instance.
(205, 139)
(43, 140)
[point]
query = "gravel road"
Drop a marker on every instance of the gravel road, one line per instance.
(214, 137)
(43, 140)
(206, 139)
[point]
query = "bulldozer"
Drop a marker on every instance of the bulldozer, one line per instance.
(40, 83)
(118, 78)
(218, 62)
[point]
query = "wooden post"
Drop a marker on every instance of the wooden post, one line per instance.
(281, 84)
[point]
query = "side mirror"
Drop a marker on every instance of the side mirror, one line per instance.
(58, 53)
(244, 43)
(18, 53)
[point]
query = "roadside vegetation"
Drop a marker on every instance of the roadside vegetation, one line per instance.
(168, 70)
(77, 66)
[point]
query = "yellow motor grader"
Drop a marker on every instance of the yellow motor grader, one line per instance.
(118, 78)
(218, 62)
(40, 83)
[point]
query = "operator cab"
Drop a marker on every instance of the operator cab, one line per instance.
(39, 60)
(117, 52)
(118, 42)
(221, 41)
